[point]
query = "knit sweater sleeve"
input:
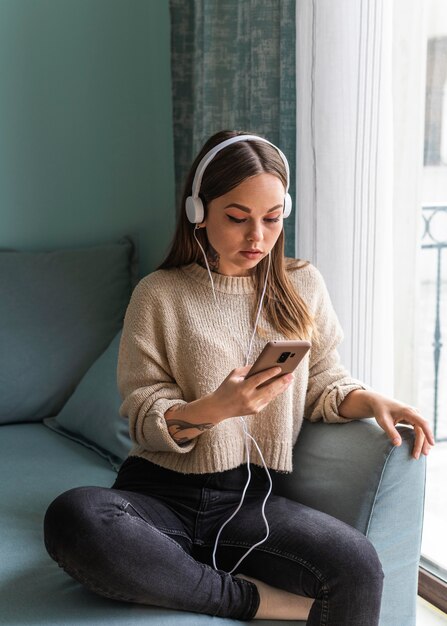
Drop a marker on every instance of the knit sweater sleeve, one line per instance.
(329, 382)
(144, 375)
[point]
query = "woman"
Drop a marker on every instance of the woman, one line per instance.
(188, 334)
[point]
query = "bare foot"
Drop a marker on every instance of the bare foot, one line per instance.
(279, 604)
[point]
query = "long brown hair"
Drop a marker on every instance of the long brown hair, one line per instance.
(283, 307)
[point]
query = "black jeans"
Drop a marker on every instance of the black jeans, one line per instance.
(150, 538)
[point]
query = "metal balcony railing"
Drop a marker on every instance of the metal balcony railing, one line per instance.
(429, 241)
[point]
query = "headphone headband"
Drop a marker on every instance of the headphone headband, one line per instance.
(194, 206)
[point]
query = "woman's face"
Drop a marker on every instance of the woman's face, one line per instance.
(244, 224)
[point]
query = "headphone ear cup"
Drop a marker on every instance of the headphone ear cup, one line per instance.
(287, 205)
(194, 210)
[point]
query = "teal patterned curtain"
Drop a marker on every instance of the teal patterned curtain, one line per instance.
(233, 67)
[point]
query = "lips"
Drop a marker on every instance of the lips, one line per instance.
(251, 254)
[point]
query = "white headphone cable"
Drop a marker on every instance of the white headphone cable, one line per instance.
(244, 425)
(207, 267)
(258, 313)
(247, 434)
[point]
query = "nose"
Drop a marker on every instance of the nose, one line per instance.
(255, 232)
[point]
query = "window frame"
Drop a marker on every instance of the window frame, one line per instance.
(432, 588)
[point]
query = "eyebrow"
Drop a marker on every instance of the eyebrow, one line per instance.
(247, 210)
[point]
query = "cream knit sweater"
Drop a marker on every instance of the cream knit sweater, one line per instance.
(177, 346)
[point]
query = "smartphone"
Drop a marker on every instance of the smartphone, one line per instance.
(285, 354)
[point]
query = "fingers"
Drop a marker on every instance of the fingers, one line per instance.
(426, 448)
(415, 419)
(387, 423)
(422, 431)
(248, 396)
(424, 438)
(419, 442)
(422, 443)
(264, 376)
(428, 432)
(280, 383)
(391, 430)
(241, 372)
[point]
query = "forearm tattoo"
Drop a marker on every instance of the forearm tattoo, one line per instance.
(176, 426)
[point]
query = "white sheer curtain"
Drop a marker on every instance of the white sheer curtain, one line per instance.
(348, 223)
(409, 70)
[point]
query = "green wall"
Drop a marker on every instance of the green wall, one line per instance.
(86, 148)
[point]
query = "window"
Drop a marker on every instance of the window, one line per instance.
(432, 332)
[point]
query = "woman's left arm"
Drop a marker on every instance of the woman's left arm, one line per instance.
(360, 403)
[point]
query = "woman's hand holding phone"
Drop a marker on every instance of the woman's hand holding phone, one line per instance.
(238, 395)
(248, 390)
(245, 391)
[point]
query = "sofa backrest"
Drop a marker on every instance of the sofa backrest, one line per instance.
(59, 310)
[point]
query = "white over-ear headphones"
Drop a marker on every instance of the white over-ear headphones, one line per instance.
(194, 205)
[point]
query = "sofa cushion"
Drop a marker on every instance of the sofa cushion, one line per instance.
(91, 415)
(59, 311)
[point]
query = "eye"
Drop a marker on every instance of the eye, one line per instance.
(235, 219)
(273, 219)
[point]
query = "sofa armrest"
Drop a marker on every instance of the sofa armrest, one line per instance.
(353, 472)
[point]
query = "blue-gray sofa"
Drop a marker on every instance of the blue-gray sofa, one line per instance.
(61, 313)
